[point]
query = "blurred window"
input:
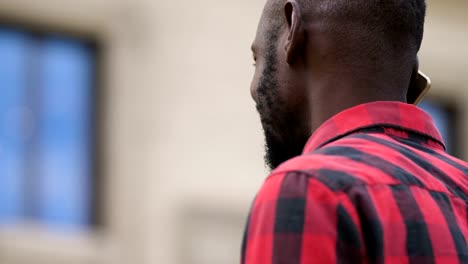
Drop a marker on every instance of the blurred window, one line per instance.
(46, 129)
(444, 117)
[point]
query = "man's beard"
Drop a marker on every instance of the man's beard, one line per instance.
(285, 136)
(283, 139)
(276, 152)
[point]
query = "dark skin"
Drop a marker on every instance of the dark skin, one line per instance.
(305, 74)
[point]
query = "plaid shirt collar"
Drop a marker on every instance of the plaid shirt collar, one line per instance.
(396, 116)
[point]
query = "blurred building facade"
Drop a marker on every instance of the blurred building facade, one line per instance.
(180, 146)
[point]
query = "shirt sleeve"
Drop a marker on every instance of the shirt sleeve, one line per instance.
(297, 219)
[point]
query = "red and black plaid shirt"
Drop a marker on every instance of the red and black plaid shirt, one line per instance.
(374, 185)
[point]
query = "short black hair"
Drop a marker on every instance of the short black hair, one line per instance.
(379, 25)
(399, 23)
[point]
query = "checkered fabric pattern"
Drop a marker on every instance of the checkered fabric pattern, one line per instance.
(374, 185)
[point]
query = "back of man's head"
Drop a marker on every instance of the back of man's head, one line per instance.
(315, 58)
(369, 26)
(394, 26)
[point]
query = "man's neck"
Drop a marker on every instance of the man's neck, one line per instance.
(338, 94)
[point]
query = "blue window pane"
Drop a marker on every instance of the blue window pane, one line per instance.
(441, 118)
(14, 126)
(45, 130)
(64, 135)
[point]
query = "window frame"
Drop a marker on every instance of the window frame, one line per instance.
(29, 241)
(94, 44)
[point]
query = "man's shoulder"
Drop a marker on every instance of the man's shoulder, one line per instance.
(347, 154)
(310, 162)
(340, 168)
(333, 172)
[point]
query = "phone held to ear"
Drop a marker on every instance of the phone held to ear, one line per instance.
(419, 87)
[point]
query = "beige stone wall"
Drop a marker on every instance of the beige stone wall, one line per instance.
(183, 145)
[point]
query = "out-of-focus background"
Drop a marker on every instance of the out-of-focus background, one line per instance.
(127, 132)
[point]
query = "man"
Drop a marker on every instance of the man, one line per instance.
(359, 175)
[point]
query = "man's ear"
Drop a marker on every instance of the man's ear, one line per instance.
(296, 38)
